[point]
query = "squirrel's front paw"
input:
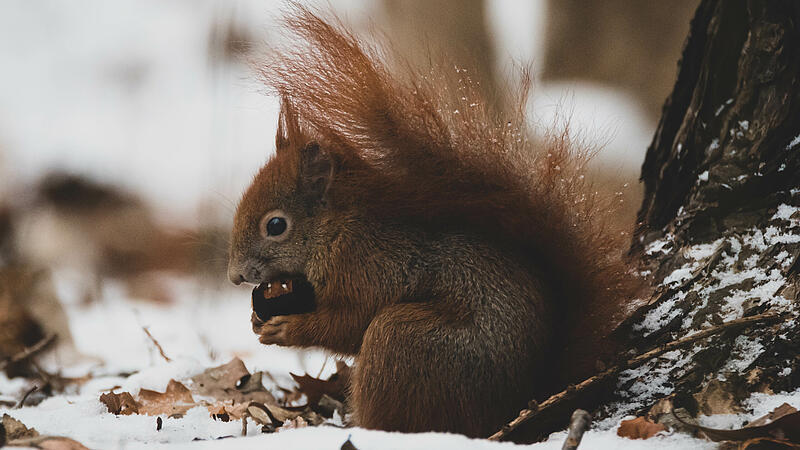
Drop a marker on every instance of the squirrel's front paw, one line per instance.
(273, 331)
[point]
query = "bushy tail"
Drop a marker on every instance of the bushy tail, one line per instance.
(423, 148)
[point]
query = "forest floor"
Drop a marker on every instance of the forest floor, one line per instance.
(205, 328)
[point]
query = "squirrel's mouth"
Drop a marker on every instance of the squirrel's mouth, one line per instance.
(283, 297)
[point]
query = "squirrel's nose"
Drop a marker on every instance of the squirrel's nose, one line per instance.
(235, 275)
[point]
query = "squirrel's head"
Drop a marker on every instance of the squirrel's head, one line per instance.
(278, 225)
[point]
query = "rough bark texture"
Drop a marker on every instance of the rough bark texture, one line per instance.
(719, 228)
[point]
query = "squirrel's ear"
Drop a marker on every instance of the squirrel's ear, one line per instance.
(289, 132)
(317, 169)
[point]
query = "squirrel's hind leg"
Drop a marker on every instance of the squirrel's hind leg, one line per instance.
(421, 368)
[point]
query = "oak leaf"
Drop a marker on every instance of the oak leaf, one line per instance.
(122, 403)
(174, 401)
(639, 428)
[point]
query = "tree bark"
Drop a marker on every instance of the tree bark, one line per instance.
(718, 232)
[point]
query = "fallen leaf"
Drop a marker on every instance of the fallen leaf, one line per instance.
(16, 430)
(328, 405)
(231, 381)
(122, 403)
(639, 428)
(334, 387)
(175, 401)
(297, 422)
(348, 445)
(261, 414)
(225, 412)
(52, 443)
(718, 397)
(783, 410)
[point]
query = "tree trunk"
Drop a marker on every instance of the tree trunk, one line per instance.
(719, 228)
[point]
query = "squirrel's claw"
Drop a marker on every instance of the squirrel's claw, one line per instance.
(273, 331)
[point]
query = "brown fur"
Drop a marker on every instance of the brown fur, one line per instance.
(468, 268)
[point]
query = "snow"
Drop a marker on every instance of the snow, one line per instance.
(659, 246)
(786, 212)
(794, 142)
(703, 176)
(679, 275)
(702, 251)
(750, 348)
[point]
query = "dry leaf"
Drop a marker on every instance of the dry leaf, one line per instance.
(639, 428)
(783, 410)
(53, 443)
(335, 386)
(718, 397)
(122, 403)
(261, 414)
(17, 430)
(231, 381)
(348, 445)
(297, 422)
(175, 401)
(227, 411)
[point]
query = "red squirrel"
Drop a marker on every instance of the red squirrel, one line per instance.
(467, 268)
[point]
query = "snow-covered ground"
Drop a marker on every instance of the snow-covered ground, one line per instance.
(201, 329)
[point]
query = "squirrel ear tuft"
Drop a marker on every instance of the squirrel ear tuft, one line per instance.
(317, 169)
(289, 132)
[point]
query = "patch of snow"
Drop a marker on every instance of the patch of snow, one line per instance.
(762, 404)
(703, 176)
(722, 421)
(750, 349)
(785, 212)
(679, 275)
(661, 315)
(652, 379)
(702, 251)
(794, 143)
(659, 246)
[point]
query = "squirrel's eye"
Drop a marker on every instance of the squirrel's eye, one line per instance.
(276, 226)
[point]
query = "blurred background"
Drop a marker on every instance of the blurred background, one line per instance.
(129, 129)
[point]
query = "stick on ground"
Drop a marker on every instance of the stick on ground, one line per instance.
(28, 352)
(578, 424)
(528, 414)
(158, 346)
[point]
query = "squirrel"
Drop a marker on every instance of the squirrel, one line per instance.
(467, 268)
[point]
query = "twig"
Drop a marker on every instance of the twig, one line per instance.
(158, 346)
(578, 424)
(244, 423)
(28, 352)
(528, 414)
(25, 397)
